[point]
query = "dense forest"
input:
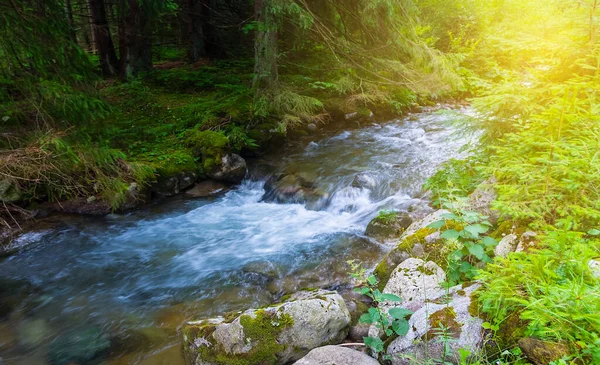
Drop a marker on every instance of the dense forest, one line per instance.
(107, 105)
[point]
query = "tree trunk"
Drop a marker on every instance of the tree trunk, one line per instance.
(135, 40)
(265, 47)
(102, 39)
(69, 10)
(196, 22)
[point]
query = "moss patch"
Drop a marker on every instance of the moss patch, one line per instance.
(260, 333)
(444, 319)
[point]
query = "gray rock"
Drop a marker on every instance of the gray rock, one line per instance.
(387, 228)
(364, 181)
(312, 128)
(423, 340)
(207, 188)
(506, 245)
(294, 188)
(424, 222)
(336, 355)
(9, 192)
(359, 331)
(415, 281)
(173, 185)
(481, 200)
(594, 266)
(278, 334)
(262, 267)
(233, 169)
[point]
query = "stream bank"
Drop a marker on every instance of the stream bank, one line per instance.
(136, 278)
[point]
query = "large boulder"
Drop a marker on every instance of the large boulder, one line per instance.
(481, 200)
(442, 327)
(277, 334)
(424, 222)
(328, 355)
(415, 282)
(173, 185)
(232, 169)
(417, 241)
(387, 226)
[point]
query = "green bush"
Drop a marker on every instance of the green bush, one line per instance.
(551, 290)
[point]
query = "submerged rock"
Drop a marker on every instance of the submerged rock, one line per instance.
(85, 346)
(542, 352)
(232, 169)
(364, 181)
(207, 188)
(328, 355)
(388, 226)
(277, 334)
(293, 189)
(425, 338)
(32, 332)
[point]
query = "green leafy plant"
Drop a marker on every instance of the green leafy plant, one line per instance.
(394, 322)
(470, 245)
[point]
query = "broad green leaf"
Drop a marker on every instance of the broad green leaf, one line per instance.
(366, 318)
(450, 234)
(489, 241)
(399, 313)
(476, 229)
(401, 327)
(363, 291)
(372, 280)
(374, 342)
(437, 225)
(594, 232)
(391, 297)
(477, 251)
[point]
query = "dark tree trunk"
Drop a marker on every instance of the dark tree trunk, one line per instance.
(69, 10)
(197, 19)
(102, 39)
(265, 47)
(135, 40)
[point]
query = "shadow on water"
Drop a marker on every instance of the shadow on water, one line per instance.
(115, 290)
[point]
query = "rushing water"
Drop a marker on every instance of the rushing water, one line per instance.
(125, 283)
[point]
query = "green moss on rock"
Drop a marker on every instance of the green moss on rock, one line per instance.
(260, 335)
(443, 320)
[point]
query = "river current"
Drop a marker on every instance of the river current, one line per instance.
(125, 283)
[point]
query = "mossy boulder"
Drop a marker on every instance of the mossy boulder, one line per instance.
(230, 168)
(542, 352)
(174, 184)
(449, 310)
(277, 334)
(388, 225)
